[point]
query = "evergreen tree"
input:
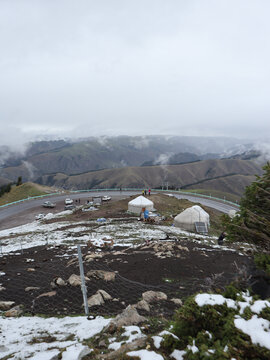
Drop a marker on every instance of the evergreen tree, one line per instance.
(253, 223)
(19, 181)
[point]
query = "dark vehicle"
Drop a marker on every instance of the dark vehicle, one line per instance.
(70, 207)
(48, 204)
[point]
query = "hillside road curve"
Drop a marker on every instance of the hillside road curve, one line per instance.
(24, 212)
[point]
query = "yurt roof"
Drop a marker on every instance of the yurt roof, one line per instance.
(140, 201)
(193, 210)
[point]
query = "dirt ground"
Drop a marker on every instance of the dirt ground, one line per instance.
(191, 268)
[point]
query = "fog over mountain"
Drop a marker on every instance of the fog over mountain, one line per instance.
(71, 70)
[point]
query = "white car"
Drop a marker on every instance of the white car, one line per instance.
(48, 204)
(39, 216)
(68, 201)
(106, 198)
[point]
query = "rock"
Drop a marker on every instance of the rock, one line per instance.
(2, 288)
(31, 288)
(177, 301)
(101, 275)
(117, 354)
(184, 248)
(60, 282)
(105, 295)
(74, 280)
(15, 311)
(30, 269)
(91, 257)
(128, 317)
(143, 305)
(49, 294)
(6, 305)
(153, 296)
(72, 261)
(102, 343)
(95, 300)
(99, 298)
(53, 285)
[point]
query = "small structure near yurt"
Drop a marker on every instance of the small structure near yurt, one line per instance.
(140, 204)
(193, 219)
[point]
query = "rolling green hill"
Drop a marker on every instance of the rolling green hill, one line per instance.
(23, 192)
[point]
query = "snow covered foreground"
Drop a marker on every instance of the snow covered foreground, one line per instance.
(36, 338)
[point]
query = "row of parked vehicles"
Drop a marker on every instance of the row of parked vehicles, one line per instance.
(69, 204)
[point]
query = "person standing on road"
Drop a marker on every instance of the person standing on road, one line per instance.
(149, 191)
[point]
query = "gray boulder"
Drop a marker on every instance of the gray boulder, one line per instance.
(153, 296)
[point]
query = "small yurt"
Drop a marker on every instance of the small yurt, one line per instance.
(136, 205)
(232, 213)
(186, 220)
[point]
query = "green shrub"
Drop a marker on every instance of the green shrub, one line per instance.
(262, 261)
(211, 329)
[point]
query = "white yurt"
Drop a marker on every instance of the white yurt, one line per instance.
(232, 213)
(136, 205)
(186, 219)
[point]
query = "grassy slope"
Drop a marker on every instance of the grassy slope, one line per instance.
(24, 191)
(231, 176)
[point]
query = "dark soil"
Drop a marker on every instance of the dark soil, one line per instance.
(138, 270)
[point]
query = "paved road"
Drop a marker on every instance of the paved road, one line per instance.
(18, 214)
(218, 205)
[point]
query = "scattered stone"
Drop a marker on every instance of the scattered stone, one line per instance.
(102, 343)
(153, 296)
(91, 257)
(60, 282)
(72, 261)
(177, 301)
(75, 280)
(117, 354)
(99, 298)
(31, 288)
(184, 248)
(6, 305)
(95, 300)
(128, 317)
(14, 312)
(101, 275)
(105, 295)
(30, 269)
(49, 294)
(143, 305)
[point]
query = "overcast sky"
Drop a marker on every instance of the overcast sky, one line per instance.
(109, 67)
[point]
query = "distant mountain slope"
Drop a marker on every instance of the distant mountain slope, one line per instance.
(46, 157)
(235, 174)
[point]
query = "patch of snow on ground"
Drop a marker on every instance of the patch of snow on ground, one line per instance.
(131, 332)
(18, 335)
(178, 354)
(259, 305)
(214, 299)
(257, 328)
(146, 355)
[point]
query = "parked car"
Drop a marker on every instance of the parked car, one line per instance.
(106, 198)
(48, 204)
(68, 201)
(39, 216)
(70, 207)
